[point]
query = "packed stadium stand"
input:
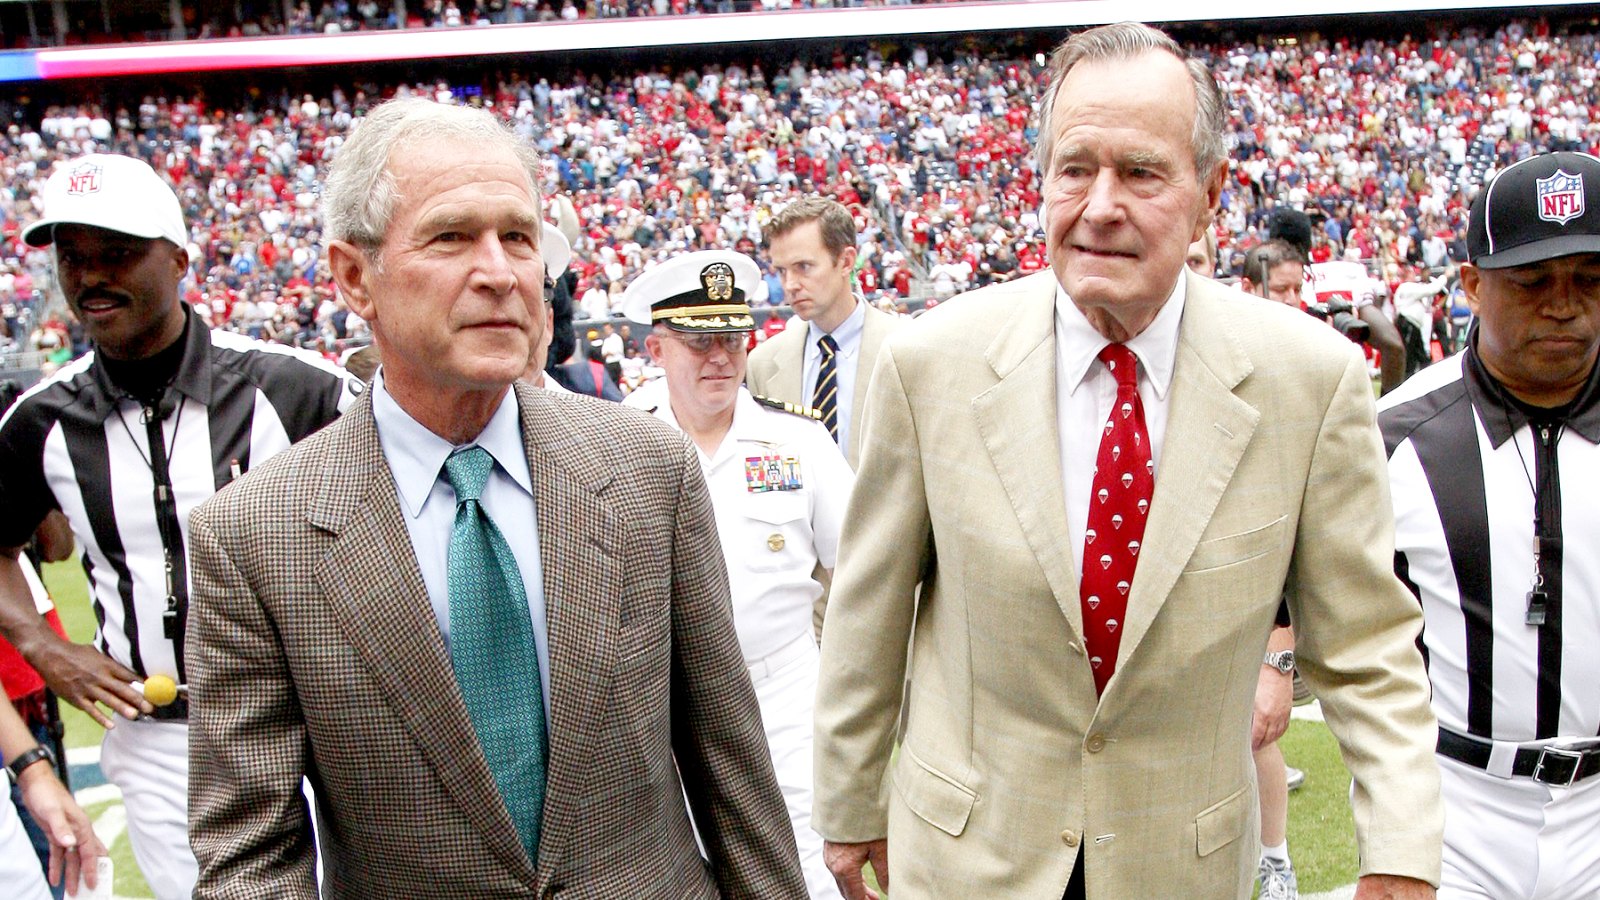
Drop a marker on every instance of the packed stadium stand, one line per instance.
(1379, 138)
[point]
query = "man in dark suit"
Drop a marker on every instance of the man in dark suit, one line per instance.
(426, 610)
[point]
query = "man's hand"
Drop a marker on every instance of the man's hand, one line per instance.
(1392, 887)
(1274, 700)
(85, 677)
(846, 861)
(74, 848)
(54, 536)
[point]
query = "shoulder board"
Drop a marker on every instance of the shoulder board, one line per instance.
(791, 408)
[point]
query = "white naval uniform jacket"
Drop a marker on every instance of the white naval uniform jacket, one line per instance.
(774, 539)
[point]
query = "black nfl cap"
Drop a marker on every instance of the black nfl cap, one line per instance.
(1537, 209)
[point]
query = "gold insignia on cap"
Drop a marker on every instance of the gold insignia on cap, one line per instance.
(775, 542)
(717, 281)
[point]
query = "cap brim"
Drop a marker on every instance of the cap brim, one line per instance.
(1539, 251)
(710, 324)
(43, 232)
(40, 234)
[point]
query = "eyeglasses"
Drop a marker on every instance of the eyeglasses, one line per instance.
(731, 342)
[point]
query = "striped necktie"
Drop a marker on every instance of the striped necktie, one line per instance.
(492, 649)
(825, 399)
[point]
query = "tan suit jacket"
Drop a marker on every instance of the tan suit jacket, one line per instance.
(1271, 481)
(313, 649)
(777, 368)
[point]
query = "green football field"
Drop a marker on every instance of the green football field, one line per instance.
(1321, 832)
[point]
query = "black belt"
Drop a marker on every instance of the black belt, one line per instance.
(176, 711)
(1555, 765)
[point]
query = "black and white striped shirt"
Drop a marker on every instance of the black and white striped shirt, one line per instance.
(1465, 464)
(79, 443)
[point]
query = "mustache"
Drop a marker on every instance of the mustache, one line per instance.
(94, 294)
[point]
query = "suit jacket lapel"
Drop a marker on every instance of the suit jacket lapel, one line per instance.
(788, 363)
(1208, 428)
(582, 587)
(1018, 422)
(874, 329)
(374, 588)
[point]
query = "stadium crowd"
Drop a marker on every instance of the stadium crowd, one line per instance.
(1376, 140)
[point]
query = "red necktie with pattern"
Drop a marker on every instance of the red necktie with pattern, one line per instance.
(1124, 481)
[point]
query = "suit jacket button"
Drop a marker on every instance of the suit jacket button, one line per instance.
(1069, 837)
(1095, 743)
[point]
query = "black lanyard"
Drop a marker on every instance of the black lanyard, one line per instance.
(1547, 555)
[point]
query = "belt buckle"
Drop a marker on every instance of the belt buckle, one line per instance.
(1570, 760)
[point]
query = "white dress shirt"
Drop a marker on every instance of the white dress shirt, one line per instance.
(1086, 391)
(416, 459)
(845, 362)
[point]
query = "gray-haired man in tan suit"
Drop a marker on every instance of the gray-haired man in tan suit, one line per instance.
(337, 634)
(1073, 735)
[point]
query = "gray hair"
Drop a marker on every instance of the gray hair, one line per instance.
(1124, 41)
(359, 197)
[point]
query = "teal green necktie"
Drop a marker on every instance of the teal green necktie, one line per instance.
(492, 649)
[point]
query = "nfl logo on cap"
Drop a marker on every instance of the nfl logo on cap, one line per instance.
(84, 179)
(1560, 197)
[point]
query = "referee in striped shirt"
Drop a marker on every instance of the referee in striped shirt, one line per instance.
(1494, 459)
(126, 441)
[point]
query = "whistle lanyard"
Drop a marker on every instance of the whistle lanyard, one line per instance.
(1544, 595)
(159, 462)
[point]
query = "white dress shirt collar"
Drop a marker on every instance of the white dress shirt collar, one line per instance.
(416, 455)
(847, 335)
(1156, 346)
(747, 425)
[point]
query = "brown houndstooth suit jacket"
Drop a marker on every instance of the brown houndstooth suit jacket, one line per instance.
(312, 649)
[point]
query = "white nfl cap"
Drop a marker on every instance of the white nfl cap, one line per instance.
(554, 250)
(117, 193)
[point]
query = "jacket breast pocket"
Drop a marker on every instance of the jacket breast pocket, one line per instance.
(1222, 823)
(1238, 548)
(777, 531)
(935, 797)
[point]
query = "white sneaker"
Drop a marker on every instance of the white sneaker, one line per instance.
(1295, 777)
(1277, 880)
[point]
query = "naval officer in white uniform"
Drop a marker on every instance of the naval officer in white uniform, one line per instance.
(779, 485)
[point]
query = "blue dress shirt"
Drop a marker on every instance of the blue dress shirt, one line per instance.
(846, 361)
(416, 459)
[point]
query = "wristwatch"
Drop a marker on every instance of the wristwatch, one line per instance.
(28, 758)
(1282, 660)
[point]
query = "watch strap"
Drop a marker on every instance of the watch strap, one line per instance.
(28, 758)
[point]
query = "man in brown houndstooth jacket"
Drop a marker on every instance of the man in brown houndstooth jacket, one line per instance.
(324, 613)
